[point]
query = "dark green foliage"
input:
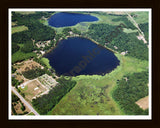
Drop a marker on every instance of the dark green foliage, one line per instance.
(31, 74)
(40, 32)
(144, 28)
(102, 33)
(15, 48)
(14, 98)
(13, 69)
(15, 82)
(13, 110)
(36, 31)
(28, 47)
(22, 106)
(21, 37)
(128, 92)
(75, 31)
(66, 31)
(46, 102)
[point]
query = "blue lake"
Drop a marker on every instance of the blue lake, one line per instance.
(64, 19)
(80, 56)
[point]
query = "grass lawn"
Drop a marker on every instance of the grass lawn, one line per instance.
(31, 113)
(92, 94)
(19, 29)
(46, 62)
(129, 30)
(142, 17)
(26, 12)
(19, 56)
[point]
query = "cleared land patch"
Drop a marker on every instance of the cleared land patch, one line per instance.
(19, 29)
(48, 81)
(143, 103)
(32, 90)
(27, 65)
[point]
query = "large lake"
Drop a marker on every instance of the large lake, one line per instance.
(80, 56)
(64, 19)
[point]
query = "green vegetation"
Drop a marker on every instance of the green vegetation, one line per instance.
(145, 29)
(102, 33)
(46, 62)
(27, 47)
(15, 47)
(140, 17)
(31, 113)
(14, 98)
(45, 103)
(129, 91)
(33, 73)
(129, 30)
(92, 94)
(19, 29)
(88, 95)
(20, 56)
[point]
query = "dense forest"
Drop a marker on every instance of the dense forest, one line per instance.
(102, 33)
(144, 27)
(33, 73)
(128, 92)
(36, 31)
(45, 103)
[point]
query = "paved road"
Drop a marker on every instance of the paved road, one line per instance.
(25, 102)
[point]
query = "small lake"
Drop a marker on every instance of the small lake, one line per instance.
(64, 19)
(80, 56)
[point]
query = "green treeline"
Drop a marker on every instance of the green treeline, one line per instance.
(144, 28)
(15, 47)
(46, 102)
(34, 73)
(36, 30)
(113, 36)
(128, 92)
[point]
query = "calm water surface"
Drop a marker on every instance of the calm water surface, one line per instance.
(64, 19)
(80, 56)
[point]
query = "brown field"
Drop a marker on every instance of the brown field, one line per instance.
(143, 103)
(17, 107)
(26, 65)
(32, 90)
(25, 12)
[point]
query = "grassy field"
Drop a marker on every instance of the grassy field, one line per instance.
(142, 17)
(46, 62)
(129, 30)
(26, 12)
(18, 56)
(92, 94)
(19, 29)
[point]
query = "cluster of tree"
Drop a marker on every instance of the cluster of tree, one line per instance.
(34, 73)
(128, 92)
(102, 33)
(15, 82)
(14, 98)
(46, 102)
(28, 47)
(144, 28)
(13, 69)
(15, 47)
(36, 31)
